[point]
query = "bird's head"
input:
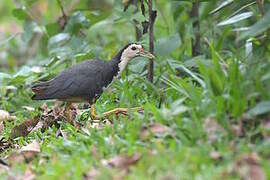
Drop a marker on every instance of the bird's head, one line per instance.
(129, 52)
(133, 50)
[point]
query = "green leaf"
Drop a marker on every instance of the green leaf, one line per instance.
(4, 76)
(165, 46)
(24, 72)
(20, 13)
(261, 108)
(236, 18)
(52, 28)
(222, 5)
(258, 27)
(76, 22)
(58, 40)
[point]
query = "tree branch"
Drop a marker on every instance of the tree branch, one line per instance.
(62, 8)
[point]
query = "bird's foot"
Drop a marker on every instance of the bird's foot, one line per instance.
(123, 111)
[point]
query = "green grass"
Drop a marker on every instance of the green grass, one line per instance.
(184, 152)
(214, 108)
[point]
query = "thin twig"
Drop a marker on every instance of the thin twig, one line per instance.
(151, 40)
(62, 8)
(237, 11)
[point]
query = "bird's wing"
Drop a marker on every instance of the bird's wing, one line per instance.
(80, 81)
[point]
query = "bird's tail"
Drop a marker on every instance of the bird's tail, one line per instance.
(40, 90)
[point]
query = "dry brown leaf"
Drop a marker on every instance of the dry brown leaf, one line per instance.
(5, 144)
(3, 168)
(237, 130)
(4, 115)
(248, 167)
(157, 129)
(24, 129)
(122, 161)
(30, 151)
(94, 151)
(15, 157)
(28, 108)
(26, 153)
(33, 146)
(61, 133)
(2, 126)
(215, 155)
(92, 174)
(28, 174)
(266, 128)
(213, 129)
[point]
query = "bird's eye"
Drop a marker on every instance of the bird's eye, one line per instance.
(133, 48)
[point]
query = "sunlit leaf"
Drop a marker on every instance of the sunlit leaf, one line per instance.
(222, 5)
(236, 18)
(76, 22)
(165, 46)
(58, 39)
(20, 13)
(261, 108)
(258, 27)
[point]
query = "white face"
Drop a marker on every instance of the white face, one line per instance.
(132, 51)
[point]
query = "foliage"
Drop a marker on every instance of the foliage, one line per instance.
(205, 117)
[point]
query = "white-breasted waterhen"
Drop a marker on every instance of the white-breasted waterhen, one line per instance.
(85, 81)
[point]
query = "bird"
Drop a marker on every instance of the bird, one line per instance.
(86, 81)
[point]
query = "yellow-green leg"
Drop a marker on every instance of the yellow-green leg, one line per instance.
(116, 111)
(67, 113)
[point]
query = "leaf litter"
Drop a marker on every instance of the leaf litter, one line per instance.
(122, 161)
(25, 154)
(159, 130)
(248, 167)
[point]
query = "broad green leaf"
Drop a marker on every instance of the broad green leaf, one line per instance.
(4, 76)
(193, 75)
(76, 22)
(20, 13)
(258, 27)
(261, 108)
(236, 18)
(24, 71)
(30, 28)
(52, 28)
(215, 82)
(58, 39)
(165, 46)
(222, 5)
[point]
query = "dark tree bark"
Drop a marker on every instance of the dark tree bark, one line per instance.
(196, 47)
(260, 6)
(152, 16)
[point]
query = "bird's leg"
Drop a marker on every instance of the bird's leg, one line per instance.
(92, 113)
(123, 111)
(116, 111)
(67, 112)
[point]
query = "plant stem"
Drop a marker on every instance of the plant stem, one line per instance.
(260, 6)
(261, 9)
(196, 47)
(151, 40)
(62, 8)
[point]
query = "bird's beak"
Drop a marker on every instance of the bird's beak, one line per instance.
(146, 54)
